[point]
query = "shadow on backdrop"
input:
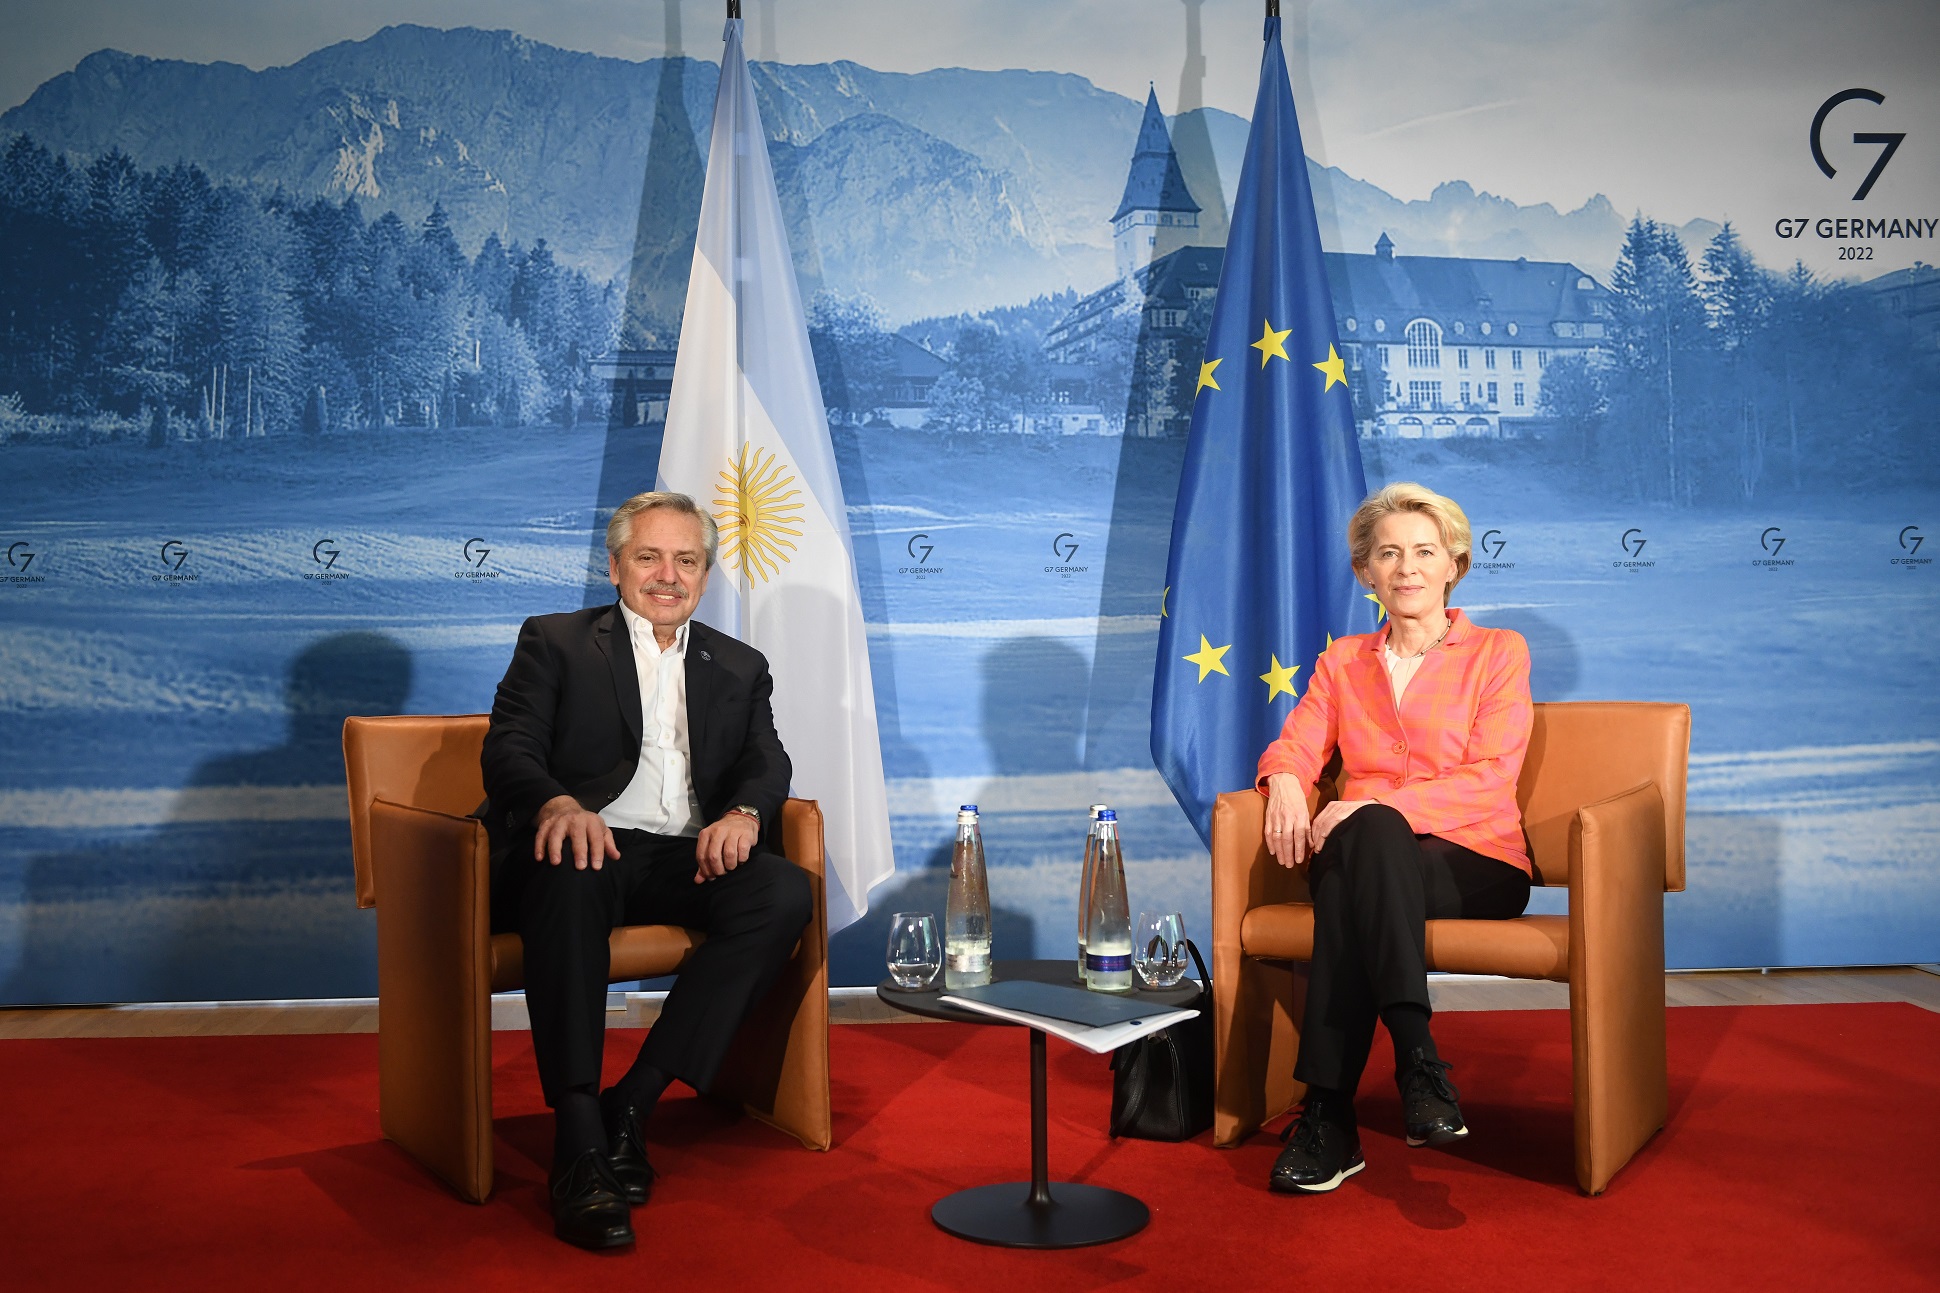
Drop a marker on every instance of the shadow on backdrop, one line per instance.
(901, 758)
(1555, 665)
(656, 292)
(1032, 711)
(1145, 491)
(1733, 905)
(1192, 140)
(671, 188)
(241, 894)
(1151, 454)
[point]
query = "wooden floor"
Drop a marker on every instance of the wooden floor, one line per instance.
(859, 1006)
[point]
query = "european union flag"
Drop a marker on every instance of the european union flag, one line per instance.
(1258, 580)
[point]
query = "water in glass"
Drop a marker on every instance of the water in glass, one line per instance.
(1159, 948)
(914, 953)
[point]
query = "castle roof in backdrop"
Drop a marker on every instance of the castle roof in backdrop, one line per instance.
(1154, 182)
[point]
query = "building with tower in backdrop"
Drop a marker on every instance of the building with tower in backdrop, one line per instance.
(1436, 346)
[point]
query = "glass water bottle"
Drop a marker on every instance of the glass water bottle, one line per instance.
(966, 932)
(1084, 884)
(1108, 919)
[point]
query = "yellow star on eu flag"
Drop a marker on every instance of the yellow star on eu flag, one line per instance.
(1272, 343)
(1206, 376)
(1209, 658)
(1278, 679)
(1380, 611)
(1335, 368)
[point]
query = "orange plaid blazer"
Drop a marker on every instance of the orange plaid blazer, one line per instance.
(1448, 760)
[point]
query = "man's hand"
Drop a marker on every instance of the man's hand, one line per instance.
(1286, 819)
(724, 846)
(1333, 815)
(568, 830)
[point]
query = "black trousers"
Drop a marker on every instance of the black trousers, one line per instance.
(753, 916)
(1375, 884)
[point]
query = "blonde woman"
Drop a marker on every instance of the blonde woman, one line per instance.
(1431, 715)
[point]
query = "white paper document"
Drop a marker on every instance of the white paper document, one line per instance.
(1099, 1041)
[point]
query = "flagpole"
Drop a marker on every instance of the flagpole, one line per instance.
(734, 8)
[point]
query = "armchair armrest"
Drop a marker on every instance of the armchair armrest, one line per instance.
(1616, 853)
(1244, 874)
(1255, 1005)
(778, 1067)
(432, 877)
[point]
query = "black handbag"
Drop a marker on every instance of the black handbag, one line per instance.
(1162, 1084)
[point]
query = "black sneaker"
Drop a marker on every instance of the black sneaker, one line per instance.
(1428, 1108)
(1323, 1149)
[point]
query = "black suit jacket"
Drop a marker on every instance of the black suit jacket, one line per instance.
(566, 721)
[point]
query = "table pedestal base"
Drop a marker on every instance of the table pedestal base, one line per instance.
(1036, 1213)
(1073, 1216)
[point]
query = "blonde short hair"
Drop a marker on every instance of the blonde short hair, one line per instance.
(620, 529)
(1406, 496)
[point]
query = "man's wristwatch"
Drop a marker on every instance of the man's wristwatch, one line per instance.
(747, 810)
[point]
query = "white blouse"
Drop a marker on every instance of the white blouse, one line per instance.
(1401, 671)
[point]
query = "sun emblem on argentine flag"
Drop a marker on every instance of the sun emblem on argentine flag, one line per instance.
(756, 514)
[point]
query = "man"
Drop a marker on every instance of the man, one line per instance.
(633, 776)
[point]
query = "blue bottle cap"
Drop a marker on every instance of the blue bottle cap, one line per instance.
(966, 808)
(1108, 815)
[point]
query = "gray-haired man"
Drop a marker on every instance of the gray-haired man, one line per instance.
(633, 776)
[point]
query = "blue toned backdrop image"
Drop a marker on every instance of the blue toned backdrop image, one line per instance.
(325, 355)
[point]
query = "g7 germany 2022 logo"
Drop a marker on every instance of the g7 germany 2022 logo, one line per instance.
(1888, 140)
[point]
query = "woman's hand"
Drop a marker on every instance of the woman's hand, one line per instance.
(1331, 816)
(1286, 819)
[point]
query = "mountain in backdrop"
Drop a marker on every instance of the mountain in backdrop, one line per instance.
(932, 192)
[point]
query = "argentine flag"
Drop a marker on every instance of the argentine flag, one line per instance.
(748, 438)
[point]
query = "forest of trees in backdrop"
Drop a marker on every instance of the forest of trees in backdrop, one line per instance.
(160, 299)
(1722, 382)
(203, 308)
(1728, 383)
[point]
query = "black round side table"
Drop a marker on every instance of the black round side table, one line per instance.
(1038, 1213)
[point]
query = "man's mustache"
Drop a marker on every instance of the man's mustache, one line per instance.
(675, 589)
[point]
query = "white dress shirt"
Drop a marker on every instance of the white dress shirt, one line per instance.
(660, 798)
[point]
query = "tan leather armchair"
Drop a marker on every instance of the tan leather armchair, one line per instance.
(1602, 796)
(425, 865)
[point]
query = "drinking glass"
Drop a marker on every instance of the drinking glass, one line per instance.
(915, 952)
(1159, 948)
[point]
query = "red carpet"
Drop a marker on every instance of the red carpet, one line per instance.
(1802, 1152)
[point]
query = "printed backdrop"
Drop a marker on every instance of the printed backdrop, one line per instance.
(327, 341)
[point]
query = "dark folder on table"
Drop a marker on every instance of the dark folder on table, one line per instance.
(1054, 1001)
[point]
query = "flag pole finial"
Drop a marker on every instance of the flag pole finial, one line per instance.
(1272, 7)
(734, 8)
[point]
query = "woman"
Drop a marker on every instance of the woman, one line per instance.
(1431, 716)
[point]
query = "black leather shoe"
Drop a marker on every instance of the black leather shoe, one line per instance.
(1428, 1109)
(588, 1204)
(627, 1149)
(1323, 1149)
